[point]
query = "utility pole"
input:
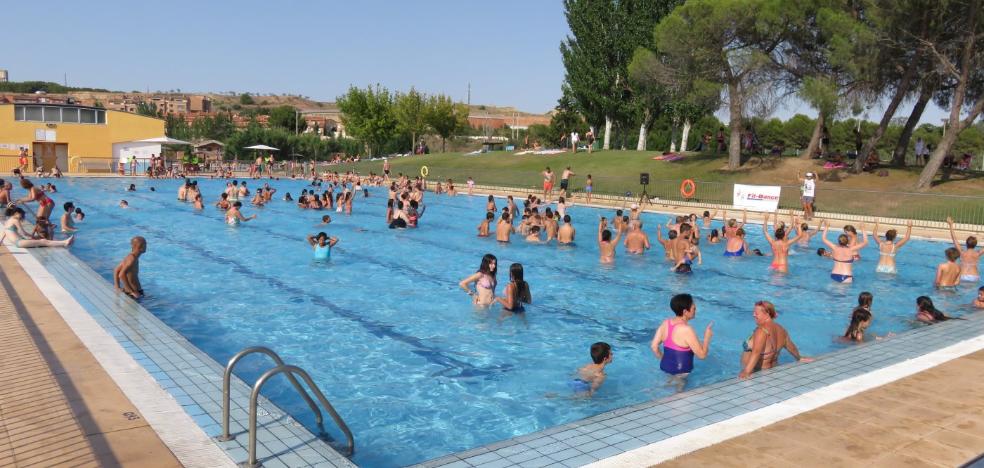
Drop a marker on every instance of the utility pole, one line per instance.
(295, 121)
(66, 80)
(469, 94)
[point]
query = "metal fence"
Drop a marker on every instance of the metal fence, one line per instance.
(862, 203)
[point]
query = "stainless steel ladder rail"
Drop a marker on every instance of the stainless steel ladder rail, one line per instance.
(290, 371)
(227, 378)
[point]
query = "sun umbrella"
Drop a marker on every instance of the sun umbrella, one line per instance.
(165, 140)
(262, 147)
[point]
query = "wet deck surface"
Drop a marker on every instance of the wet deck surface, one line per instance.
(58, 407)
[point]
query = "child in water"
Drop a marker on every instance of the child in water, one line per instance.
(322, 244)
(591, 376)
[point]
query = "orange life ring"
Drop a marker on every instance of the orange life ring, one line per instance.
(688, 188)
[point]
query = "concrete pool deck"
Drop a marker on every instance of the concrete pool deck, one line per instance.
(57, 404)
(914, 421)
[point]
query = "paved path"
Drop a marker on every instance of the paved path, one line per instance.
(933, 418)
(58, 407)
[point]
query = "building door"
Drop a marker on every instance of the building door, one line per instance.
(61, 156)
(46, 155)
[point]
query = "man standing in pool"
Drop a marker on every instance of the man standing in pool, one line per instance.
(969, 257)
(605, 242)
(565, 235)
(127, 272)
(680, 342)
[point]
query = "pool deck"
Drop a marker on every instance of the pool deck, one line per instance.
(933, 418)
(57, 404)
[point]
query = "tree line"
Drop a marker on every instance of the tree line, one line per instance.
(631, 62)
(384, 120)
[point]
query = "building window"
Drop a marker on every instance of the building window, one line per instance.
(88, 116)
(70, 115)
(59, 114)
(33, 113)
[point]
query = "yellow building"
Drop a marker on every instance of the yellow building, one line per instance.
(76, 138)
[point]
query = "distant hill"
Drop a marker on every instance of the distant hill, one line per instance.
(46, 86)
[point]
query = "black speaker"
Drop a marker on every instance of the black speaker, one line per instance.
(644, 178)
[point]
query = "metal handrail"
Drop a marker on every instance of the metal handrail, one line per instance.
(290, 370)
(227, 378)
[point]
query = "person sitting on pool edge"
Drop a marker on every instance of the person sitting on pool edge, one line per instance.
(591, 376)
(127, 273)
(948, 272)
(761, 350)
(322, 244)
(680, 343)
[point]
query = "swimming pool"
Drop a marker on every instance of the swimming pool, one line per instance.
(412, 367)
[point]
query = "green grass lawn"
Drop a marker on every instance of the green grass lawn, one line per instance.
(617, 172)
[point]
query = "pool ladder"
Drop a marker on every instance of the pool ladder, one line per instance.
(290, 372)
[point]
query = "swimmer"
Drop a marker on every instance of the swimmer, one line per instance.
(761, 350)
(223, 203)
(565, 234)
(561, 207)
(591, 376)
(843, 255)
(516, 294)
(780, 245)
(483, 227)
(979, 301)
(680, 342)
(183, 190)
(822, 252)
(668, 251)
(732, 225)
(550, 224)
(888, 248)
(714, 237)
(860, 321)
(707, 219)
(490, 204)
(636, 241)
(504, 228)
(67, 225)
(928, 313)
(131, 188)
(127, 273)
(325, 220)
(287, 197)
(969, 256)
(322, 244)
(736, 246)
(484, 281)
(199, 205)
(45, 203)
(79, 215)
(534, 235)
(234, 216)
(258, 199)
(606, 245)
(686, 261)
(948, 272)
(124, 204)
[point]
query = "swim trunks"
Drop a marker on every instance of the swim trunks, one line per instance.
(548, 186)
(587, 188)
(808, 200)
(563, 184)
(579, 386)
(970, 278)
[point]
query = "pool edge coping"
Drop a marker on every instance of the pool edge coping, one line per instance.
(180, 433)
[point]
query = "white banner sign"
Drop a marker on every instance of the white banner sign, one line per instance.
(757, 197)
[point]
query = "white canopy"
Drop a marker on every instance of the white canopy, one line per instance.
(262, 147)
(165, 140)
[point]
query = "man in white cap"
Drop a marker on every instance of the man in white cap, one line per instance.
(809, 192)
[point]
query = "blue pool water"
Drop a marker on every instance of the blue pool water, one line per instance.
(414, 369)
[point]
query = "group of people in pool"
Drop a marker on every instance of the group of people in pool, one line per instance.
(675, 343)
(43, 233)
(536, 225)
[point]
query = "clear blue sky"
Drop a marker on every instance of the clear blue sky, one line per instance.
(508, 49)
